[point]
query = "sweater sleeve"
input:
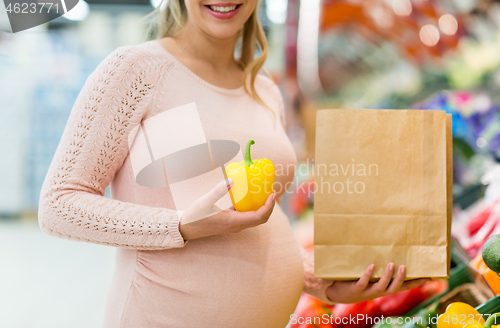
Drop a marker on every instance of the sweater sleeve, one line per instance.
(93, 147)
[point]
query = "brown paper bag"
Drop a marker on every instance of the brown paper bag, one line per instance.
(383, 182)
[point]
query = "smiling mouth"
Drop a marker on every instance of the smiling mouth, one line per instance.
(223, 9)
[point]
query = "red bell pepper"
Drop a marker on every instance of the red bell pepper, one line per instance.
(434, 287)
(400, 303)
(355, 315)
(477, 221)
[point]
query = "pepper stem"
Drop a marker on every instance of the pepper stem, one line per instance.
(248, 158)
(491, 320)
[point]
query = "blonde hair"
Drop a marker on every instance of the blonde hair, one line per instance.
(173, 17)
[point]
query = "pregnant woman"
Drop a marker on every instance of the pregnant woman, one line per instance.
(180, 269)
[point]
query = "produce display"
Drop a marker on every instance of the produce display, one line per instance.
(476, 132)
(252, 181)
(355, 38)
(367, 313)
(474, 279)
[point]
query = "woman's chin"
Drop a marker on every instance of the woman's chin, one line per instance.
(222, 31)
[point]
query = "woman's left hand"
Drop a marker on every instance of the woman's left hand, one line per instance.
(363, 289)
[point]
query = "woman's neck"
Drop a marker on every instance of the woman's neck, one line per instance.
(210, 58)
(219, 53)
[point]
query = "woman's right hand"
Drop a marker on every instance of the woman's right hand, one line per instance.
(199, 221)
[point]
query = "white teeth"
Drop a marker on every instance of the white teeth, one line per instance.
(224, 9)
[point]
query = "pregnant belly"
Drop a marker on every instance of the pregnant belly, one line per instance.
(249, 279)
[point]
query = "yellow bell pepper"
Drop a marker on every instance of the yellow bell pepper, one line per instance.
(253, 181)
(475, 325)
(458, 315)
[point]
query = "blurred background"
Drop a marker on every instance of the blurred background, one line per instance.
(394, 54)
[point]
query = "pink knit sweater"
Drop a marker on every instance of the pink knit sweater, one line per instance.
(249, 279)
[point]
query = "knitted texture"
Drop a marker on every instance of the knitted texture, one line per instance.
(253, 278)
(94, 145)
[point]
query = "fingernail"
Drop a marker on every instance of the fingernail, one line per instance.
(273, 196)
(229, 182)
(391, 266)
(402, 269)
(371, 266)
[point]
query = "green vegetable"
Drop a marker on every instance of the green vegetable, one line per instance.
(426, 315)
(491, 253)
(388, 322)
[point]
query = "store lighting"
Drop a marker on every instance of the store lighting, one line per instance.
(429, 35)
(79, 12)
(156, 3)
(382, 16)
(448, 24)
(276, 10)
(307, 46)
(481, 142)
(402, 7)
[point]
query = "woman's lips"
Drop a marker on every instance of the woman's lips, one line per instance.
(221, 15)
